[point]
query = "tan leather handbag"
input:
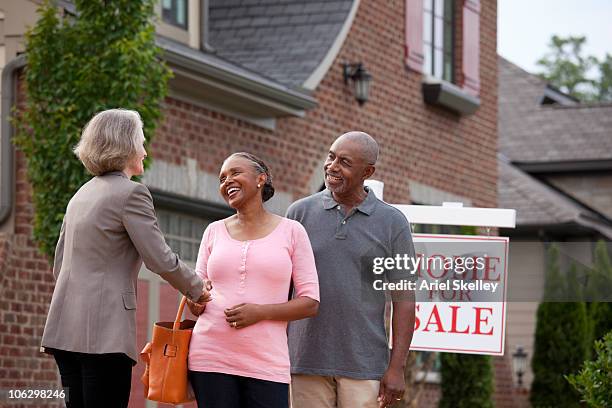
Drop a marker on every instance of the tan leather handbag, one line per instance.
(165, 376)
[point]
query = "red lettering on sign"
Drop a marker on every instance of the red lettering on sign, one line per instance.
(434, 318)
(479, 319)
(454, 322)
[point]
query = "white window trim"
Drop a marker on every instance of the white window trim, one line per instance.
(191, 36)
(430, 49)
(430, 377)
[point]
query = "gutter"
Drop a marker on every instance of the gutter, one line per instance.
(227, 72)
(6, 135)
(565, 166)
(603, 229)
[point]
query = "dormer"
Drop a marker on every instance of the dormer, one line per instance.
(181, 20)
(554, 96)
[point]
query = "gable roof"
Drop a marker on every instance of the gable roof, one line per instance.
(538, 205)
(285, 40)
(534, 202)
(530, 132)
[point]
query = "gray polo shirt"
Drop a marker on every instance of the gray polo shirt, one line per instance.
(347, 338)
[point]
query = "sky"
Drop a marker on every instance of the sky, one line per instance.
(524, 27)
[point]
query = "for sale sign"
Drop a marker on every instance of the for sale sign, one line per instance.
(460, 291)
(459, 284)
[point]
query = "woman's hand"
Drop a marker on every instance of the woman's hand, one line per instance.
(197, 308)
(246, 314)
(243, 315)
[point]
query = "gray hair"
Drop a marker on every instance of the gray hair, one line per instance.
(369, 146)
(109, 140)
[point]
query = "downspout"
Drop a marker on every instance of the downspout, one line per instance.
(6, 146)
(205, 27)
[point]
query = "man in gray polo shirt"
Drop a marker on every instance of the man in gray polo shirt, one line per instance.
(340, 358)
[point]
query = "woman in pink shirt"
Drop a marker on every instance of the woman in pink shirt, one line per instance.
(238, 355)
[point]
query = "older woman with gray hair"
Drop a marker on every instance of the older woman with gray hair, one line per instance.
(109, 229)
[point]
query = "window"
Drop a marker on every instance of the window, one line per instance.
(438, 39)
(183, 233)
(428, 366)
(174, 12)
(430, 49)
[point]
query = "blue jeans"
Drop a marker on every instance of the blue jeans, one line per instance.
(218, 390)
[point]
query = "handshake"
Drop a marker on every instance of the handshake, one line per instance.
(197, 307)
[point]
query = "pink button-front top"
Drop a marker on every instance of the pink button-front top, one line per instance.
(257, 271)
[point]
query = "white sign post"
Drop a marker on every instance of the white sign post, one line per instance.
(462, 319)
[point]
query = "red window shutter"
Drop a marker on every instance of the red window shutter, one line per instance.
(471, 46)
(414, 34)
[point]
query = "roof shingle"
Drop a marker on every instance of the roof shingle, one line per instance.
(284, 40)
(530, 132)
(534, 202)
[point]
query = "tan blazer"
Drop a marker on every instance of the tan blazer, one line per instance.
(109, 229)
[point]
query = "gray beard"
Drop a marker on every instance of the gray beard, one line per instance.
(337, 190)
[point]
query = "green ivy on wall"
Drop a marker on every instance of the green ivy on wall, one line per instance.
(104, 56)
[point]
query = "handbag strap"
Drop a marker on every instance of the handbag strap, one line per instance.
(179, 314)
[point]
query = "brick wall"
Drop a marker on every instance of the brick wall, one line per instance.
(26, 285)
(505, 395)
(422, 143)
(430, 396)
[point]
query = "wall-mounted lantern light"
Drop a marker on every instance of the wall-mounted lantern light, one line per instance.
(361, 80)
(519, 360)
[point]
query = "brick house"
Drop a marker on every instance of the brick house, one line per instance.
(266, 76)
(555, 165)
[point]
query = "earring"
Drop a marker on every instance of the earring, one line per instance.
(259, 186)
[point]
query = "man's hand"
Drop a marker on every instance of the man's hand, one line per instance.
(243, 315)
(392, 387)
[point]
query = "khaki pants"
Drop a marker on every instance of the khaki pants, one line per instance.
(314, 391)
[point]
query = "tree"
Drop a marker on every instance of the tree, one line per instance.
(467, 381)
(568, 69)
(594, 381)
(102, 57)
(561, 340)
(605, 81)
(599, 289)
